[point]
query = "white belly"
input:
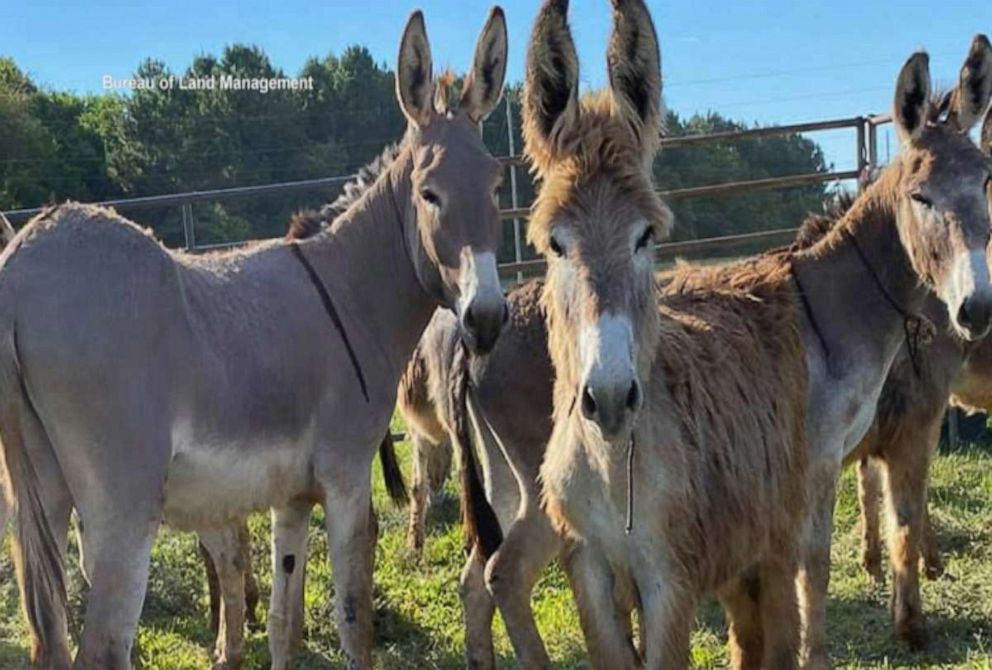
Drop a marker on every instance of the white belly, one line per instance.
(216, 486)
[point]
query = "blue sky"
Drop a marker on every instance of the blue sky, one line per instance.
(777, 61)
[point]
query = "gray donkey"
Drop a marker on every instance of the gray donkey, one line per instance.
(141, 385)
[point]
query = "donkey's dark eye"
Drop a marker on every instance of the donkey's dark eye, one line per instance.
(920, 198)
(430, 197)
(645, 239)
(556, 247)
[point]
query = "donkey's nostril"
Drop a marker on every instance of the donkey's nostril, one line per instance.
(975, 314)
(634, 396)
(469, 318)
(588, 403)
(964, 318)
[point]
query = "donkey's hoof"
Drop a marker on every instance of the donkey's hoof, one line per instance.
(819, 660)
(914, 633)
(233, 663)
(872, 565)
(415, 543)
(933, 568)
(227, 660)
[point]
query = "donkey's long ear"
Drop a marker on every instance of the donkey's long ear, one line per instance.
(551, 85)
(912, 102)
(484, 84)
(986, 141)
(634, 65)
(414, 79)
(971, 97)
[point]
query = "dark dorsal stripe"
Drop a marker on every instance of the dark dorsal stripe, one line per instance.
(332, 311)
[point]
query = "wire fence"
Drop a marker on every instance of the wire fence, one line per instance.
(864, 146)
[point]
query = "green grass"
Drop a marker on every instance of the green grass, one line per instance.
(418, 617)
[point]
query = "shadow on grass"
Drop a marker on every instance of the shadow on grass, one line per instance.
(861, 632)
(443, 514)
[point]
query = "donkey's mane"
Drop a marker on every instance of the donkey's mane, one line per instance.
(308, 222)
(817, 224)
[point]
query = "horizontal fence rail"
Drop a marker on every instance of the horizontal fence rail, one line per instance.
(865, 147)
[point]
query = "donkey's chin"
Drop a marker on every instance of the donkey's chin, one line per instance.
(617, 435)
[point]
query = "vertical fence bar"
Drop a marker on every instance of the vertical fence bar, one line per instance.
(872, 145)
(514, 201)
(862, 152)
(189, 231)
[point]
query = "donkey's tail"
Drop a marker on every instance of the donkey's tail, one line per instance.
(39, 561)
(478, 518)
(392, 476)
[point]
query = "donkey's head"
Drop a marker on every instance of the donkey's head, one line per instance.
(597, 215)
(455, 179)
(942, 192)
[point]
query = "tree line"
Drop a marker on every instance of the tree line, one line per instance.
(57, 145)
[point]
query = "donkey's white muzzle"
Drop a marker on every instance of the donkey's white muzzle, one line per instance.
(609, 393)
(970, 303)
(482, 310)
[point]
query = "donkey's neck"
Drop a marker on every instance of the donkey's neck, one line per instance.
(859, 285)
(366, 262)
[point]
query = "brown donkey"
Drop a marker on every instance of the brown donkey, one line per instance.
(698, 388)
(704, 493)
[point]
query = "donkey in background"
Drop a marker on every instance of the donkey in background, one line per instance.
(223, 376)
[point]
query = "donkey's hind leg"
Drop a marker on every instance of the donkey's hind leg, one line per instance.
(477, 609)
(869, 498)
(121, 515)
(213, 586)
(225, 552)
(932, 563)
(530, 544)
(420, 493)
(289, 567)
(251, 584)
(6, 500)
(741, 601)
(907, 462)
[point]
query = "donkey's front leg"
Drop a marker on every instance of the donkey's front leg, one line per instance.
(477, 610)
(289, 567)
(669, 611)
(606, 633)
(224, 549)
(814, 572)
(351, 541)
(511, 573)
